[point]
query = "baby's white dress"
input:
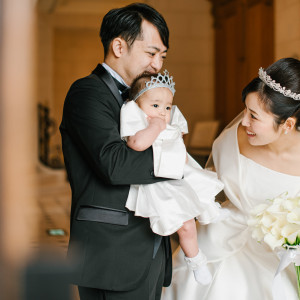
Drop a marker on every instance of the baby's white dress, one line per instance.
(168, 204)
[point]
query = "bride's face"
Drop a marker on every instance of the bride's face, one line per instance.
(259, 124)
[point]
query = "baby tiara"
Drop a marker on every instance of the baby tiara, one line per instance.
(276, 86)
(158, 81)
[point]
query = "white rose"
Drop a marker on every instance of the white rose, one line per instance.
(294, 216)
(289, 229)
(267, 220)
(272, 241)
(290, 204)
(276, 231)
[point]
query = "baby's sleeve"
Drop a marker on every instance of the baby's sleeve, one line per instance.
(169, 151)
(132, 119)
(179, 120)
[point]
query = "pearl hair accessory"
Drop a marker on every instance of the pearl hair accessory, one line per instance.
(158, 81)
(276, 86)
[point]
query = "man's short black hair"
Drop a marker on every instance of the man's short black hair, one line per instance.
(126, 22)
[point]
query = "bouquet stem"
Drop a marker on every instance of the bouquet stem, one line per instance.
(298, 279)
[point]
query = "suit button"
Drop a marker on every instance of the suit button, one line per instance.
(152, 173)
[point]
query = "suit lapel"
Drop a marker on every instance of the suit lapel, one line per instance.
(108, 80)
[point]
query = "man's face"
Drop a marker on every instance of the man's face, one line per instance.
(145, 54)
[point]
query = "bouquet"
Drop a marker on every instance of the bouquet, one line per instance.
(277, 223)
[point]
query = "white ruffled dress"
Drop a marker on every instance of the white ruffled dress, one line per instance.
(168, 204)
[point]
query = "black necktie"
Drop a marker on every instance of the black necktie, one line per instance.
(123, 89)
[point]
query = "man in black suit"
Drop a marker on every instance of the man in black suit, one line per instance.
(118, 255)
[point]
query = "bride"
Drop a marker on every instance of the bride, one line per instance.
(257, 158)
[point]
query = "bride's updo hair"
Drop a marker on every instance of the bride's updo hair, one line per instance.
(286, 72)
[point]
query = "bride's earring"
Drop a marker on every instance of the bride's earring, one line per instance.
(286, 132)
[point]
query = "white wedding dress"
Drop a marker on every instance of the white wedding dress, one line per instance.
(168, 204)
(242, 268)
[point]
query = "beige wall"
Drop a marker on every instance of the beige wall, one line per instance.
(191, 55)
(287, 28)
(69, 48)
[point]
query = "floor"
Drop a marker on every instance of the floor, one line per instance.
(53, 213)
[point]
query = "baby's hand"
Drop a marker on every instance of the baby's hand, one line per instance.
(157, 122)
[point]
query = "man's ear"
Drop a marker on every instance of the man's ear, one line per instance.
(118, 46)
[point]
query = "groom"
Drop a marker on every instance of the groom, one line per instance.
(118, 255)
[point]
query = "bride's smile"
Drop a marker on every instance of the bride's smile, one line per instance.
(260, 126)
(249, 133)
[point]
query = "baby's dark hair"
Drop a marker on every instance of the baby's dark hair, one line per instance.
(139, 83)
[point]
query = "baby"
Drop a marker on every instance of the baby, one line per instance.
(150, 119)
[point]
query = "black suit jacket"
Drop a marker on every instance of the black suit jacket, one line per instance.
(112, 247)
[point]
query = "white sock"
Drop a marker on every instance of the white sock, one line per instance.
(198, 265)
(202, 275)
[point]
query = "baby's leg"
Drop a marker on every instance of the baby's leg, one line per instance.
(194, 257)
(188, 238)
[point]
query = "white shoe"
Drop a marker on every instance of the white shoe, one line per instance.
(199, 266)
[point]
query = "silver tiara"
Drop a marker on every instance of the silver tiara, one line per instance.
(158, 81)
(276, 86)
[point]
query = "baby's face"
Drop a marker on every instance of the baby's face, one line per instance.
(157, 103)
